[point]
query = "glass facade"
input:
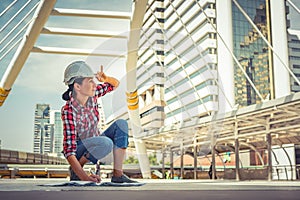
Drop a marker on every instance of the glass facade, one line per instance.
(251, 51)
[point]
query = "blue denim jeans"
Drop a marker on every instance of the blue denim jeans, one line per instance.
(96, 148)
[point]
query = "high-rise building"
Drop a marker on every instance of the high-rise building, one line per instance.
(177, 62)
(43, 130)
(55, 119)
(201, 57)
(48, 135)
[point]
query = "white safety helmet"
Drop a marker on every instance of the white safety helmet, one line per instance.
(77, 69)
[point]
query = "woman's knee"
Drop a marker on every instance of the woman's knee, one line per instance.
(122, 125)
(108, 144)
(104, 143)
(98, 147)
(106, 147)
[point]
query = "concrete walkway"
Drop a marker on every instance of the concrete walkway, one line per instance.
(153, 189)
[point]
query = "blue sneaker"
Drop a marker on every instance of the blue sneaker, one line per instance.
(122, 179)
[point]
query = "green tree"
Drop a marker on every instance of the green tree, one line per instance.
(153, 159)
(131, 160)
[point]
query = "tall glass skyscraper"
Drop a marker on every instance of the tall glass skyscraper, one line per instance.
(252, 52)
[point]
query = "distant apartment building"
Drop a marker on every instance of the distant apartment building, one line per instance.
(48, 135)
(55, 119)
(43, 130)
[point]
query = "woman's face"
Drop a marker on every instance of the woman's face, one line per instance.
(88, 87)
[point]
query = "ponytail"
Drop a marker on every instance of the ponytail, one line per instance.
(66, 94)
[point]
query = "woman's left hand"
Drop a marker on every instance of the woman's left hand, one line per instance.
(100, 75)
(103, 78)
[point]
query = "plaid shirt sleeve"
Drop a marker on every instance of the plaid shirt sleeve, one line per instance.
(69, 131)
(102, 89)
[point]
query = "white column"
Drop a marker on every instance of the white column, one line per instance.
(279, 39)
(225, 61)
(133, 106)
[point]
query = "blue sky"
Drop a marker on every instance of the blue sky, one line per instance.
(40, 80)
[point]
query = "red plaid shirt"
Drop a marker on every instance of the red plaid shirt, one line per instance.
(81, 122)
